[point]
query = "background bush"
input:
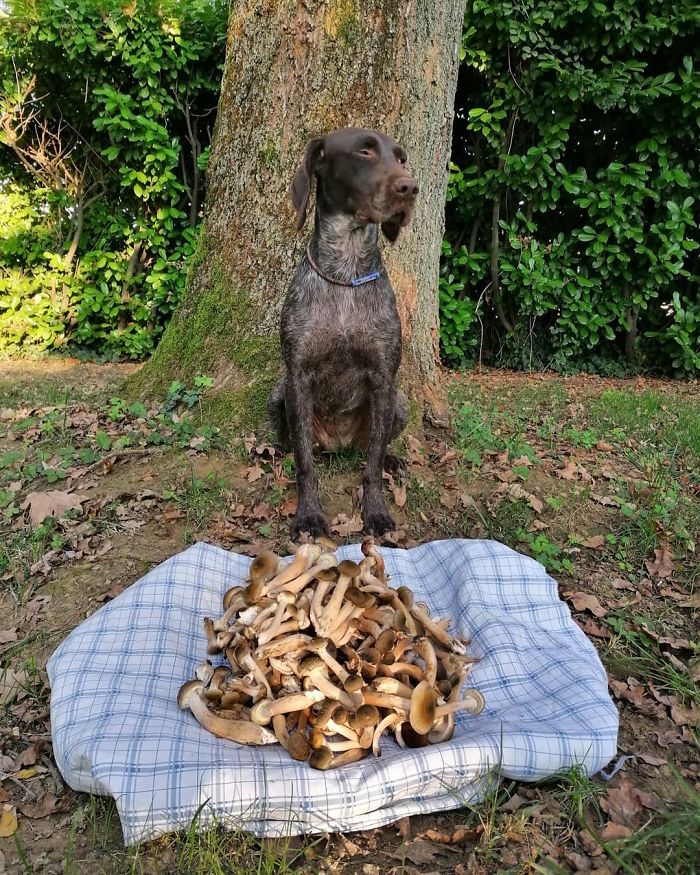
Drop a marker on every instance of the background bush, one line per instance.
(572, 229)
(106, 113)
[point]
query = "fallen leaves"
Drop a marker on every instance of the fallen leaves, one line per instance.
(51, 503)
(662, 565)
(8, 821)
(584, 601)
(624, 804)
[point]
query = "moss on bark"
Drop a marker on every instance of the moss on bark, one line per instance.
(214, 333)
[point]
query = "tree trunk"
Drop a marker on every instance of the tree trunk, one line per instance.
(296, 70)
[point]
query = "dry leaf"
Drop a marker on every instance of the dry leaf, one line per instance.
(516, 801)
(51, 503)
(662, 566)
(13, 685)
(399, 493)
(593, 629)
(418, 852)
(27, 758)
(583, 601)
(8, 636)
(255, 472)
(172, 513)
(344, 526)
(48, 805)
(624, 803)
(595, 542)
(692, 602)
(650, 759)
(621, 583)
(8, 821)
(613, 830)
(669, 737)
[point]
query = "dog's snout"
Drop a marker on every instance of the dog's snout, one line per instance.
(406, 187)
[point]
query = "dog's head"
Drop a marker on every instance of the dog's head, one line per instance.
(360, 173)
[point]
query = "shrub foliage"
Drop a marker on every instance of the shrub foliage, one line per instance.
(572, 229)
(106, 112)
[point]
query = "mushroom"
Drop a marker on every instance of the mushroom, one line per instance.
(426, 651)
(314, 697)
(369, 548)
(422, 713)
(264, 710)
(242, 731)
(392, 686)
(386, 723)
(351, 683)
(314, 668)
(323, 758)
(284, 600)
(437, 632)
(297, 745)
(304, 558)
(472, 702)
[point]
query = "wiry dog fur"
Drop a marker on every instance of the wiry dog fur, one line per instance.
(341, 345)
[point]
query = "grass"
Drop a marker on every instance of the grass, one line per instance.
(669, 844)
(199, 499)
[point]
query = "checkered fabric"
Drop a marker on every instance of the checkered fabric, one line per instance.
(117, 729)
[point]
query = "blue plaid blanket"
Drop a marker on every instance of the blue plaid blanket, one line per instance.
(117, 729)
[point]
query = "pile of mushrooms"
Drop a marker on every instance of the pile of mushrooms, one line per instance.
(324, 657)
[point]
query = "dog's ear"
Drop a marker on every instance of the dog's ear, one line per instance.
(391, 229)
(301, 184)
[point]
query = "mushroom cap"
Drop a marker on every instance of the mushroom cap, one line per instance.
(367, 715)
(406, 596)
(263, 567)
(385, 641)
(318, 643)
(340, 715)
(327, 574)
(353, 683)
(299, 747)
(423, 705)
(348, 568)
(230, 594)
(311, 664)
(321, 758)
(359, 598)
(188, 689)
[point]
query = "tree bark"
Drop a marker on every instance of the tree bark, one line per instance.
(296, 70)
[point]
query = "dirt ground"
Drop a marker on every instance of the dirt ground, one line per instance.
(598, 479)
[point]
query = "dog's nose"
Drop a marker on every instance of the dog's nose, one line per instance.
(406, 187)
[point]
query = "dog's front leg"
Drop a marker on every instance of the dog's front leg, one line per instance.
(299, 405)
(382, 407)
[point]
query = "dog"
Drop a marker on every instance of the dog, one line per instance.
(340, 328)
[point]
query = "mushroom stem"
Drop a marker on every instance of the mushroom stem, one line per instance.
(472, 702)
(242, 731)
(389, 721)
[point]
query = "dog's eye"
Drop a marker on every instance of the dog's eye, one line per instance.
(401, 159)
(366, 153)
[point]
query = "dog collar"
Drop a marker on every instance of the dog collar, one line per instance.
(355, 281)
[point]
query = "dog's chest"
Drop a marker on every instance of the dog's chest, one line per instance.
(346, 327)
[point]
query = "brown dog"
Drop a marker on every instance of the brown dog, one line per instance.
(340, 333)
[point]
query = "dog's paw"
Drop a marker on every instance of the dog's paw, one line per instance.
(376, 517)
(313, 522)
(378, 523)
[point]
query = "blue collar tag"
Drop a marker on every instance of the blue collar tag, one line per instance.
(361, 280)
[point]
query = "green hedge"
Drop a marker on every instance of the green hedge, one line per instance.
(572, 230)
(107, 109)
